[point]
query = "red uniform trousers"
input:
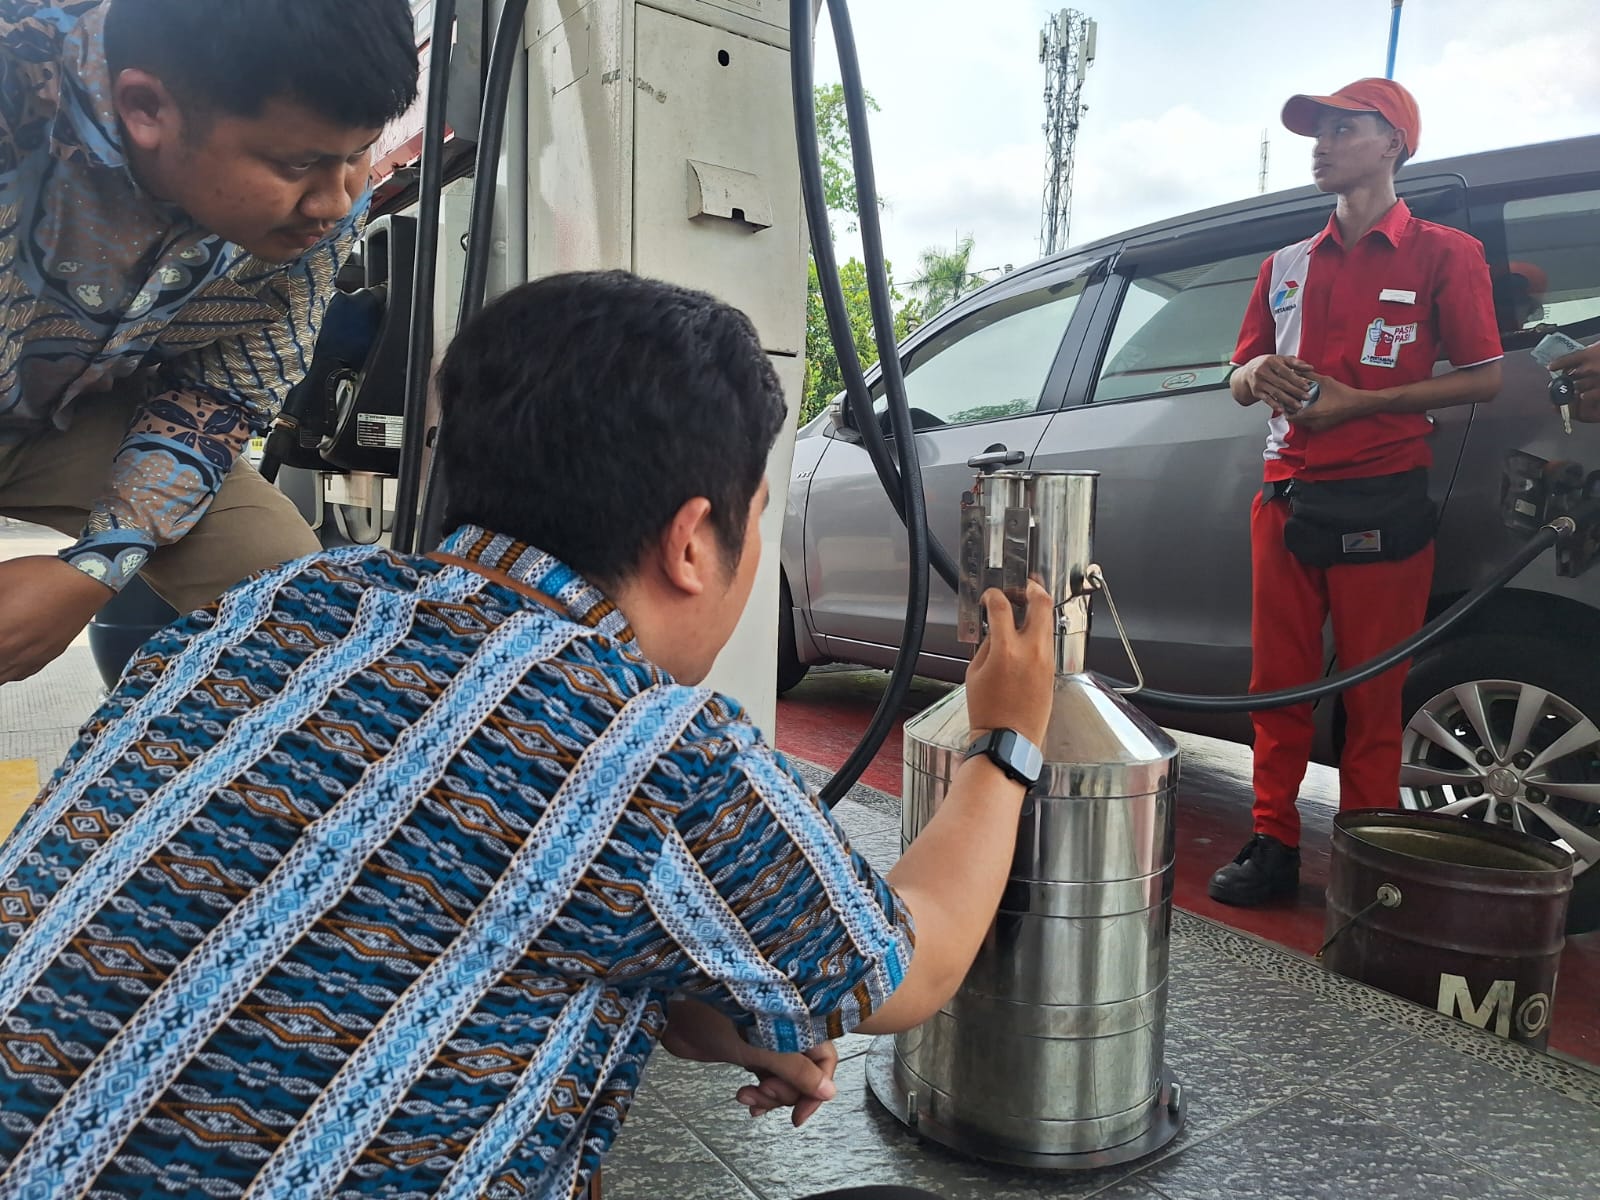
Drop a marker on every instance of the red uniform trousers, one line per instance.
(1374, 606)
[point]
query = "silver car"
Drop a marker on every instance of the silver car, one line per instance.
(1113, 358)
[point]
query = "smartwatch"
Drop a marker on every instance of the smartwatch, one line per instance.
(1014, 754)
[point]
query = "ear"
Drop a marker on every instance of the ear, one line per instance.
(1397, 143)
(689, 555)
(149, 112)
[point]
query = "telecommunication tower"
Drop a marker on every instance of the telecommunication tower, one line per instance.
(1066, 48)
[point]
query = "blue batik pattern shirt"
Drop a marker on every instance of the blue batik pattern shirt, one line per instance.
(101, 284)
(375, 880)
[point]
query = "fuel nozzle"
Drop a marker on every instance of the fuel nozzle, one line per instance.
(1533, 490)
(1580, 548)
(1536, 493)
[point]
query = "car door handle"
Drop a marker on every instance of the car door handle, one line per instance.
(996, 457)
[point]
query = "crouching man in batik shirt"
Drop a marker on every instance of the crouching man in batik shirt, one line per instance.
(180, 182)
(386, 876)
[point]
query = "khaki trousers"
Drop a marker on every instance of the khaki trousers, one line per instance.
(54, 478)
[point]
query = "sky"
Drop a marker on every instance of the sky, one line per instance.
(1177, 100)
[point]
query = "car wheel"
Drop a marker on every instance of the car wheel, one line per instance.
(790, 669)
(1507, 730)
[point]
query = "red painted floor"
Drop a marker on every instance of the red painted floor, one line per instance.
(821, 720)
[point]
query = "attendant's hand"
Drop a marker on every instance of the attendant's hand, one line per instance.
(1336, 403)
(1280, 381)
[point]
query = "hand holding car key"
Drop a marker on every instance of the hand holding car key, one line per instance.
(1563, 392)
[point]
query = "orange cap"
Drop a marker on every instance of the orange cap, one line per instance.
(1382, 96)
(1538, 281)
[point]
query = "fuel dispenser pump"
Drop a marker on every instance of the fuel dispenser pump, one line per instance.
(310, 414)
(655, 142)
(348, 415)
(346, 421)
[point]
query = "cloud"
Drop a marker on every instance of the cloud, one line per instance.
(1504, 84)
(993, 197)
(1176, 106)
(1135, 172)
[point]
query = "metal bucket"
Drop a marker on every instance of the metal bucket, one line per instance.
(1457, 915)
(1051, 1054)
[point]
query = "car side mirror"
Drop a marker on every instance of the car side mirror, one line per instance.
(838, 428)
(921, 420)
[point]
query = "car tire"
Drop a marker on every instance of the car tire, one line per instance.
(1527, 696)
(790, 669)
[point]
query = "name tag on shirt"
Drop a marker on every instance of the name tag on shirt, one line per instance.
(1398, 296)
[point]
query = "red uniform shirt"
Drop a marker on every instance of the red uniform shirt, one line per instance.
(1375, 315)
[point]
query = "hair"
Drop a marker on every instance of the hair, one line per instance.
(352, 62)
(581, 412)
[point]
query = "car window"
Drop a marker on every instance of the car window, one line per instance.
(1177, 328)
(1550, 273)
(993, 363)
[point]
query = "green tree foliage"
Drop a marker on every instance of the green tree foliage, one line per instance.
(944, 276)
(824, 380)
(833, 135)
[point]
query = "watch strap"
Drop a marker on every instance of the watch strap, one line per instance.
(1017, 757)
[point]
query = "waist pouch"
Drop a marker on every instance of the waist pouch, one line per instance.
(1345, 522)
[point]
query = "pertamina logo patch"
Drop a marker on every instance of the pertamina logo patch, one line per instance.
(1286, 297)
(1384, 342)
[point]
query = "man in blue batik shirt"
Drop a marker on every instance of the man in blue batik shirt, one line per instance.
(386, 876)
(180, 183)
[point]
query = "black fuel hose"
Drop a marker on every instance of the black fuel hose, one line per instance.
(419, 342)
(858, 399)
(491, 137)
(480, 230)
(1545, 539)
(906, 487)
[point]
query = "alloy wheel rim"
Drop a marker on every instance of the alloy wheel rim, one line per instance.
(1507, 753)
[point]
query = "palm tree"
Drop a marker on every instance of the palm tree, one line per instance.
(945, 276)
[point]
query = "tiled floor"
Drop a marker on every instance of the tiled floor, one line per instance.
(39, 720)
(1300, 1084)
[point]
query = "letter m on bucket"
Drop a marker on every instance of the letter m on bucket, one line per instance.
(1455, 1000)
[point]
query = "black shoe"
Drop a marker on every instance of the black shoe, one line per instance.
(1264, 870)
